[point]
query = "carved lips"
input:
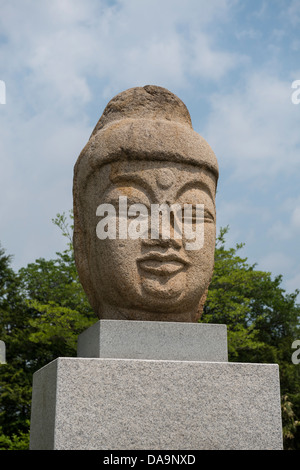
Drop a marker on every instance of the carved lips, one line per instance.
(162, 264)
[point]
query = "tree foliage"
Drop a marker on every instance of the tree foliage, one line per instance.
(43, 309)
(262, 322)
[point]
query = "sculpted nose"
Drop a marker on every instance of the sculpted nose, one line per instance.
(163, 242)
(165, 236)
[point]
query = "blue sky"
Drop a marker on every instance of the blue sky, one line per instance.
(232, 62)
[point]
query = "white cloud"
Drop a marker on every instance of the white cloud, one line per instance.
(279, 263)
(208, 62)
(248, 34)
(62, 43)
(276, 262)
(293, 12)
(286, 223)
(295, 219)
(261, 11)
(64, 58)
(255, 128)
(293, 283)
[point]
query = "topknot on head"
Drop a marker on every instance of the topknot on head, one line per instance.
(149, 102)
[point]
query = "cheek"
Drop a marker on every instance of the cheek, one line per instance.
(203, 259)
(117, 258)
(116, 278)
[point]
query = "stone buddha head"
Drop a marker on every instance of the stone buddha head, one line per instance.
(144, 210)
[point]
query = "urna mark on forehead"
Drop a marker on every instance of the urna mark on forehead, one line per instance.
(161, 178)
(159, 182)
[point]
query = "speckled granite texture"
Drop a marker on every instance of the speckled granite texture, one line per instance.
(154, 340)
(110, 404)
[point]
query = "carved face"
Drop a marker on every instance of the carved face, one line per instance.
(148, 278)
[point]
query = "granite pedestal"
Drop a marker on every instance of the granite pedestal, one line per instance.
(150, 401)
(154, 340)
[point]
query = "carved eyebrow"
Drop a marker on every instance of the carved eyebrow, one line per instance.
(195, 184)
(130, 199)
(137, 179)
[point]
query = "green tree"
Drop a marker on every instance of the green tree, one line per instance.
(15, 382)
(43, 308)
(54, 292)
(262, 322)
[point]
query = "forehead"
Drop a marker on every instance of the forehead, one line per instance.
(160, 177)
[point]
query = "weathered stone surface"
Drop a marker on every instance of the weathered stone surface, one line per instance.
(111, 404)
(128, 339)
(144, 149)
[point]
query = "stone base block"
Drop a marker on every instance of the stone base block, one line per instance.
(133, 404)
(130, 339)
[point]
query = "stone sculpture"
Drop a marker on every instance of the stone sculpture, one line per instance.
(144, 240)
(144, 154)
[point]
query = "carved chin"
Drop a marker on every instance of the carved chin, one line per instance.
(169, 287)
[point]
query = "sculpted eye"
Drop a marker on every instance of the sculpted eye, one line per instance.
(192, 215)
(208, 216)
